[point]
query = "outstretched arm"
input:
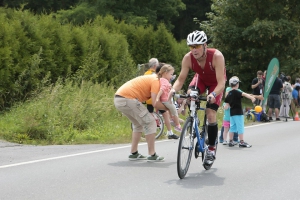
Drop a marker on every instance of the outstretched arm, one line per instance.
(260, 97)
(219, 65)
(252, 98)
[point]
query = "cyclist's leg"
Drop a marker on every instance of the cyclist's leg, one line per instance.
(211, 112)
(212, 129)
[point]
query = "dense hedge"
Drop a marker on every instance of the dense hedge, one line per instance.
(39, 49)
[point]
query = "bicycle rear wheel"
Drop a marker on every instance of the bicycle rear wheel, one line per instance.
(160, 125)
(185, 148)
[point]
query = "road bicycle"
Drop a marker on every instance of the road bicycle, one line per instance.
(160, 124)
(190, 131)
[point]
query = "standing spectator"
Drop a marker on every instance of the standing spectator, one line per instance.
(295, 98)
(226, 122)
(234, 99)
(274, 99)
(128, 100)
(154, 66)
(297, 83)
(264, 106)
(286, 97)
(257, 86)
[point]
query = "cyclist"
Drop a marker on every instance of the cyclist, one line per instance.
(153, 65)
(209, 64)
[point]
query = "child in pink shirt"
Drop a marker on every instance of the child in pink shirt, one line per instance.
(165, 74)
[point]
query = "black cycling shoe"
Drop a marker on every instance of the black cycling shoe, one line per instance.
(173, 136)
(209, 159)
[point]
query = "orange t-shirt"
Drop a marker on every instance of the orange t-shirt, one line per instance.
(140, 88)
(149, 72)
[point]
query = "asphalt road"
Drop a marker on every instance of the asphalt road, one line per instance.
(268, 170)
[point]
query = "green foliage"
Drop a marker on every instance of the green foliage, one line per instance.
(67, 114)
(79, 14)
(145, 43)
(37, 46)
(40, 6)
(250, 34)
(141, 12)
(184, 23)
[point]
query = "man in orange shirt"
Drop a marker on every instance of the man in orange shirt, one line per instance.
(128, 100)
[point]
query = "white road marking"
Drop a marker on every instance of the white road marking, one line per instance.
(71, 155)
(96, 151)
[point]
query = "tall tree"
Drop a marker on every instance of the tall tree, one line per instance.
(184, 23)
(138, 12)
(39, 6)
(251, 32)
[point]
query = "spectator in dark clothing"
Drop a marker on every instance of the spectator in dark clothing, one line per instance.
(274, 99)
(257, 86)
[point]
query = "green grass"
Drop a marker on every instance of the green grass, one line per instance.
(70, 114)
(67, 114)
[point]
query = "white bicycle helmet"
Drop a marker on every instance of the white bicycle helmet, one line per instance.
(196, 37)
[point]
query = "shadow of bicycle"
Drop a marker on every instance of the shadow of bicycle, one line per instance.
(142, 163)
(205, 178)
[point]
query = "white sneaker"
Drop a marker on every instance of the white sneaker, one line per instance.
(225, 142)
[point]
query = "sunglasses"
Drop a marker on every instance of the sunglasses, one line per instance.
(195, 46)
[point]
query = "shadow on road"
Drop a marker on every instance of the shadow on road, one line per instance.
(142, 163)
(199, 180)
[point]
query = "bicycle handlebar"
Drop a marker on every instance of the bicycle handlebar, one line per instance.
(199, 97)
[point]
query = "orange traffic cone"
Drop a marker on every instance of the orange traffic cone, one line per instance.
(296, 117)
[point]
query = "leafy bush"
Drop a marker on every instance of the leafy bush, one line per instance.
(67, 113)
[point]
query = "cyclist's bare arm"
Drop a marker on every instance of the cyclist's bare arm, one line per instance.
(185, 67)
(219, 65)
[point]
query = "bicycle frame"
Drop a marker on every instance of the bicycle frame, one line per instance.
(201, 139)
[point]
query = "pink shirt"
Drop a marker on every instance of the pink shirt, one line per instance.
(165, 86)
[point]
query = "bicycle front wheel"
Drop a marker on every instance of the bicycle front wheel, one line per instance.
(185, 148)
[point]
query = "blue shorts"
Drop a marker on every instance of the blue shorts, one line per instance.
(237, 124)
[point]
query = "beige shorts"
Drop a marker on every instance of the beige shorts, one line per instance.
(137, 113)
(171, 107)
